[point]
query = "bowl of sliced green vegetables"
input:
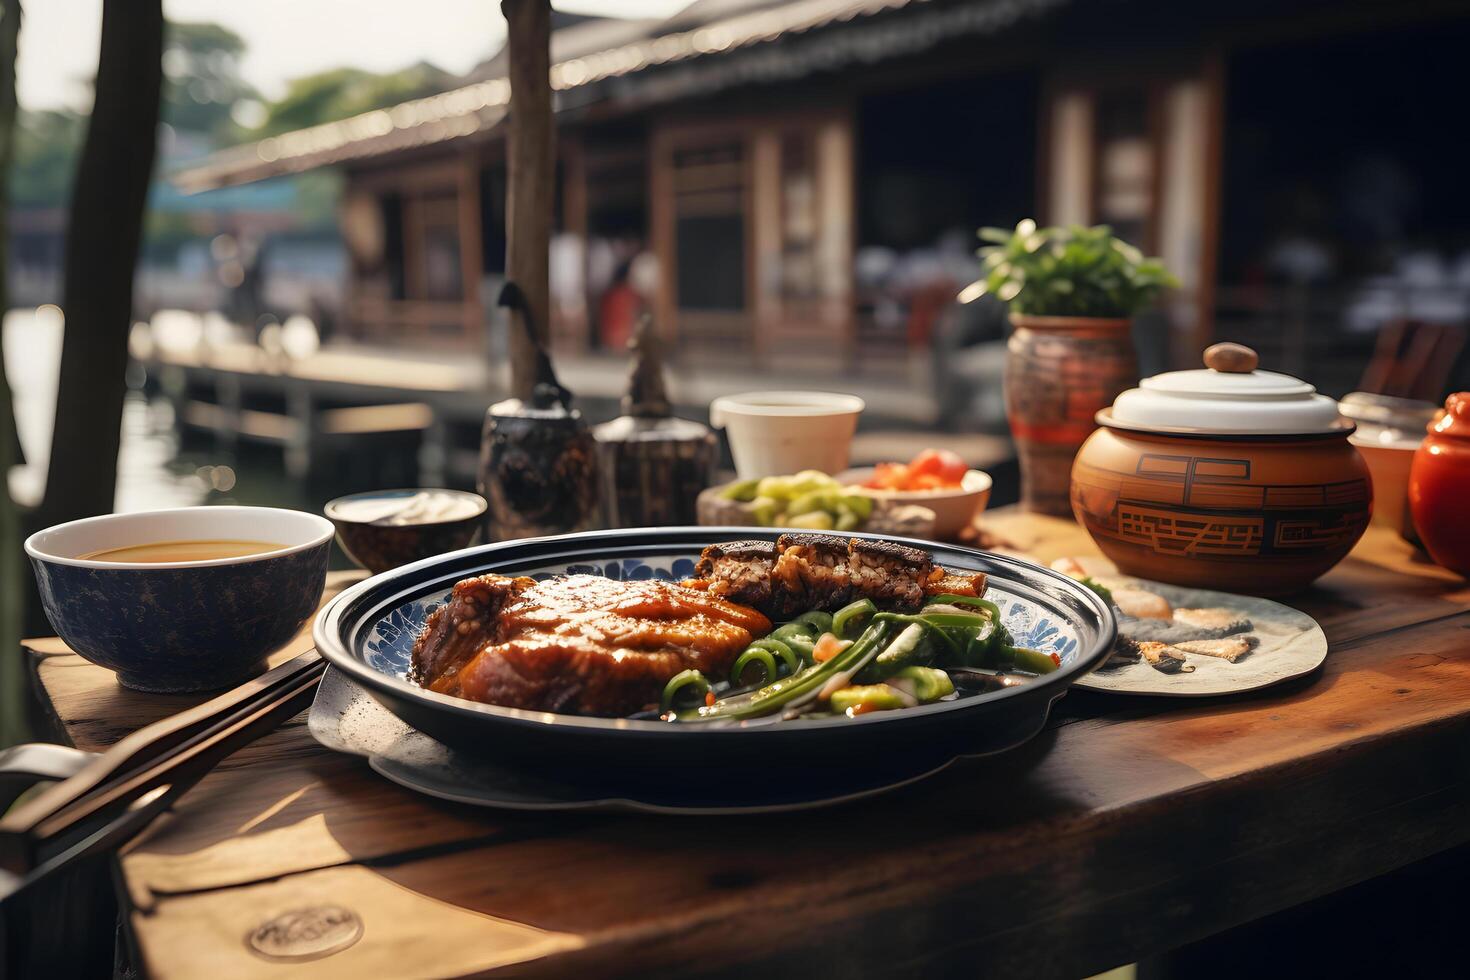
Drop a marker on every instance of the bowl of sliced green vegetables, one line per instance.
(812, 501)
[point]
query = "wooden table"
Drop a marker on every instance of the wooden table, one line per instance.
(1129, 827)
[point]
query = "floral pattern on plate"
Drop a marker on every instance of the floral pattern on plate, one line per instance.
(390, 646)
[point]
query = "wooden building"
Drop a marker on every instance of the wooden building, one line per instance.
(767, 154)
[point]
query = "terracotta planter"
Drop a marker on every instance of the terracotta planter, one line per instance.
(1219, 500)
(1060, 371)
(1439, 486)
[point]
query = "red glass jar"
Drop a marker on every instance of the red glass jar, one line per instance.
(1439, 486)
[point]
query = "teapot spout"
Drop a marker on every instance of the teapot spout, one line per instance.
(546, 390)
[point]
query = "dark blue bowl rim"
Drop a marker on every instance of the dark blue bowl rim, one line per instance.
(328, 507)
(356, 608)
(33, 551)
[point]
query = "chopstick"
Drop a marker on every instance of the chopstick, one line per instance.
(172, 754)
(147, 794)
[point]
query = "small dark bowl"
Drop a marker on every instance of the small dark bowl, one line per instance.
(379, 547)
(172, 627)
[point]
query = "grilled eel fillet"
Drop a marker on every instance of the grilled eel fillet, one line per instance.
(577, 643)
(799, 572)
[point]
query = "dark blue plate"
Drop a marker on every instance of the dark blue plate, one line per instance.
(368, 631)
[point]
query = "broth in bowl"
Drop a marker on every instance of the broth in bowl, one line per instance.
(177, 551)
(187, 599)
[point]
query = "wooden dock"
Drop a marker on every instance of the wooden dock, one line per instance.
(239, 391)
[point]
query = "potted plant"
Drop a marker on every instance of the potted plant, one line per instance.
(1072, 294)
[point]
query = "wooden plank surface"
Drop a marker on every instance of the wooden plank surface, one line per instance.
(1130, 826)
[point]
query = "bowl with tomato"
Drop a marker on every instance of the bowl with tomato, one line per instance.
(935, 478)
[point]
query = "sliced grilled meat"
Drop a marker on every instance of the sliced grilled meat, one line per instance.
(892, 575)
(739, 571)
(577, 643)
(811, 572)
(824, 571)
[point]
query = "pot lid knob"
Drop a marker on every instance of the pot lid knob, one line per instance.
(1455, 419)
(1231, 358)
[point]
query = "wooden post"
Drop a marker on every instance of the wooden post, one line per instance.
(13, 701)
(471, 259)
(530, 177)
(103, 238)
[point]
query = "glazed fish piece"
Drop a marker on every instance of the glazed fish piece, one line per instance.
(1231, 648)
(1219, 622)
(1164, 658)
(577, 643)
(457, 630)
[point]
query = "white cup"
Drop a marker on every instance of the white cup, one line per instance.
(773, 433)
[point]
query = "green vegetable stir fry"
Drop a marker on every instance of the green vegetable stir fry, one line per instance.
(857, 660)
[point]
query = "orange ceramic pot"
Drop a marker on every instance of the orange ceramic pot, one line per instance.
(1217, 501)
(1439, 486)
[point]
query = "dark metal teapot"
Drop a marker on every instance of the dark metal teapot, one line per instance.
(653, 464)
(538, 460)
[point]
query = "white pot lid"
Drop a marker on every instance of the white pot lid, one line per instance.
(1228, 396)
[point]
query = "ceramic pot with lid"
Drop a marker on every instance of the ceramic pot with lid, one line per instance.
(1225, 478)
(1439, 486)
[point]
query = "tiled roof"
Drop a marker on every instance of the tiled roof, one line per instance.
(479, 107)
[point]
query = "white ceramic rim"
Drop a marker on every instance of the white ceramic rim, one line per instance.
(801, 404)
(972, 483)
(331, 505)
(36, 544)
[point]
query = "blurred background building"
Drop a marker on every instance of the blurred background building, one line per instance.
(792, 189)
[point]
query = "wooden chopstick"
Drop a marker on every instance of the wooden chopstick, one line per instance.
(151, 756)
(131, 812)
(177, 764)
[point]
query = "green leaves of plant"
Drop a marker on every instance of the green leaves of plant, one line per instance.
(1071, 271)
